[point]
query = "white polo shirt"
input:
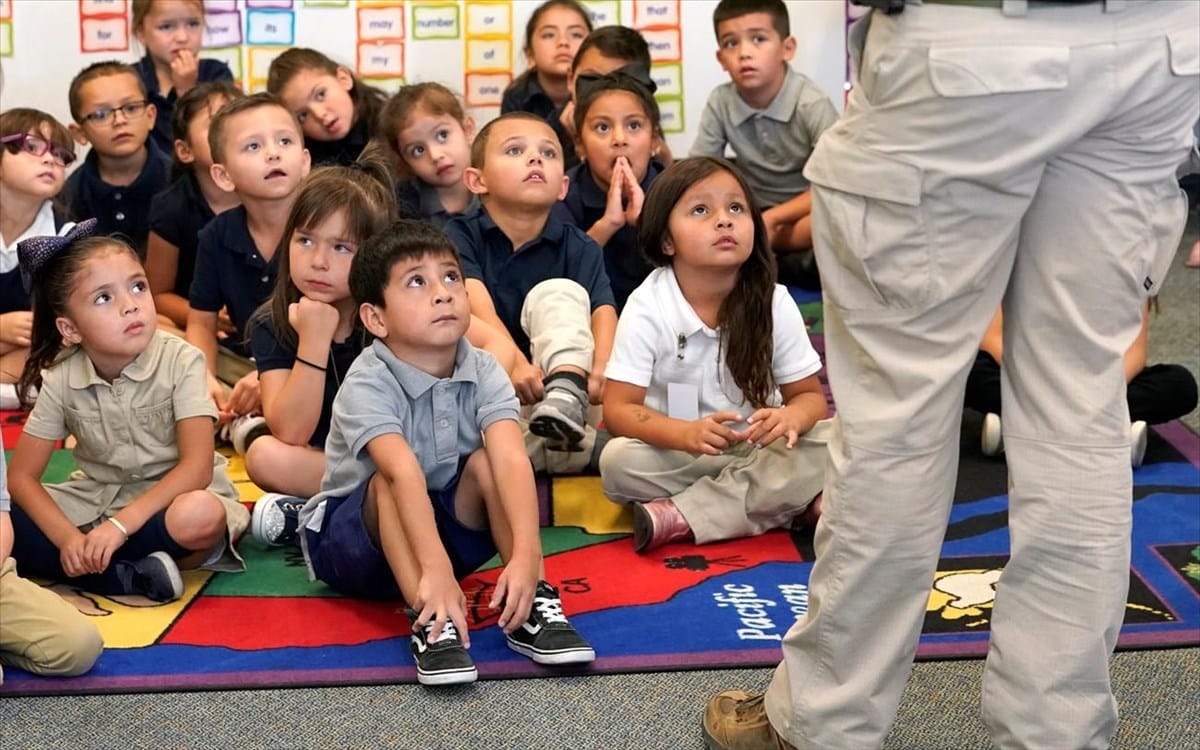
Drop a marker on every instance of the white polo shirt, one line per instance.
(661, 341)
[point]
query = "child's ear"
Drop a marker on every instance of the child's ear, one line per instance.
(151, 114)
(344, 78)
(220, 175)
(78, 134)
(468, 126)
(307, 161)
(668, 246)
(67, 330)
(183, 152)
(372, 318)
(562, 191)
(473, 178)
(789, 48)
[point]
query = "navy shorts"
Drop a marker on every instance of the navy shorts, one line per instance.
(344, 556)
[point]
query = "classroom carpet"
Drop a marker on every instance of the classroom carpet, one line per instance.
(681, 607)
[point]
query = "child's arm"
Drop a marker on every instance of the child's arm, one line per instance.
(604, 328)
(29, 461)
(162, 268)
(526, 377)
(710, 136)
(626, 415)
(438, 593)
(803, 406)
(499, 345)
(201, 332)
(194, 438)
(515, 588)
(16, 327)
(993, 338)
(6, 536)
(292, 399)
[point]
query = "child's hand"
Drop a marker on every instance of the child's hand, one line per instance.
(16, 328)
(100, 544)
(514, 591)
(595, 385)
(632, 194)
(768, 425)
(313, 319)
(710, 436)
(246, 397)
(73, 557)
(527, 381)
(440, 599)
(567, 119)
(614, 206)
(216, 392)
(185, 69)
(225, 326)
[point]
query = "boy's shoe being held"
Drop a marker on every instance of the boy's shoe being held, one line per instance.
(440, 662)
(276, 519)
(547, 637)
(244, 430)
(561, 416)
(155, 577)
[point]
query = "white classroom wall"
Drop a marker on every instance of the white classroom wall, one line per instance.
(41, 40)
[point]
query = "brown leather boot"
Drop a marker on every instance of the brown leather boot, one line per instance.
(737, 720)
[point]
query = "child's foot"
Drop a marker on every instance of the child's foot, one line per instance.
(991, 441)
(1193, 259)
(1137, 443)
(276, 519)
(656, 523)
(737, 720)
(155, 577)
(561, 416)
(547, 637)
(440, 662)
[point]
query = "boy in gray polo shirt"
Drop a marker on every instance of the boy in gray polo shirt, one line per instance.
(770, 115)
(411, 499)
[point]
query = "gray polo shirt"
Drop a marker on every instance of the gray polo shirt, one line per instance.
(772, 145)
(442, 419)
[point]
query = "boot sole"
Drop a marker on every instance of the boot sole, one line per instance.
(558, 431)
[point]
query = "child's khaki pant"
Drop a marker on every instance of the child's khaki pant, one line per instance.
(40, 632)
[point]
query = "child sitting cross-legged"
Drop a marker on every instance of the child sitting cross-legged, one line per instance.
(426, 475)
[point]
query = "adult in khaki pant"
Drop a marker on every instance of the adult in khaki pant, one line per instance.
(993, 152)
(39, 631)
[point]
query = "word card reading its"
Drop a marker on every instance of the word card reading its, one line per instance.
(385, 22)
(435, 22)
(486, 89)
(265, 27)
(381, 60)
(222, 29)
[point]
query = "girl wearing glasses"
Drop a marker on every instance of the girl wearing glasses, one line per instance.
(33, 166)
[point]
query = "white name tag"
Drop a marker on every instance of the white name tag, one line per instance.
(683, 401)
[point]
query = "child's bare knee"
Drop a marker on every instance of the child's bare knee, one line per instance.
(199, 517)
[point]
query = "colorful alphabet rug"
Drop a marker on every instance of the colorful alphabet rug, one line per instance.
(681, 607)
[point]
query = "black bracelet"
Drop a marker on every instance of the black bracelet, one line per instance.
(310, 364)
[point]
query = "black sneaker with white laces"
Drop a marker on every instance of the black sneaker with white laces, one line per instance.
(547, 637)
(440, 662)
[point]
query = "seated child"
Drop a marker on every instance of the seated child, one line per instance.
(712, 397)
(771, 116)
(1156, 393)
(306, 336)
(171, 32)
(539, 281)
(553, 34)
(258, 153)
(151, 496)
(338, 113)
(429, 136)
(33, 167)
(427, 476)
(616, 124)
(178, 213)
(39, 631)
(124, 169)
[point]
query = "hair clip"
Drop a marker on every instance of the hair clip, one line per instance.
(35, 252)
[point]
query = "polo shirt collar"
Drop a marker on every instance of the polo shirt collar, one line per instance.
(82, 373)
(431, 204)
(415, 382)
(552, 232)
(781, 106)
(152, 171)
(677, 313)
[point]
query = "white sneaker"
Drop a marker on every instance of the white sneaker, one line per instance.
(276, 519)
(991, 441)
(1138, 433)
(245, 430)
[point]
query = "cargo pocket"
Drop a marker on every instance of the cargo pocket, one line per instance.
(1185, 52)
(156, 423)
(981, 71)
(875, 248)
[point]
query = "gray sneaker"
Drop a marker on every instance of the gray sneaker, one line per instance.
(561, 417)
(276, 519)
(155, 576)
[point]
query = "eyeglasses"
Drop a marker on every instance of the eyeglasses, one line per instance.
(37, 146)
(129, 110)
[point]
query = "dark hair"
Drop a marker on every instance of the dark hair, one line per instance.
(617, 42)
(220, 121)
(52, 286)
(195, 101)
(531, 28)
(727, 10)
(99, 70)
(479, 147)
(616, 81)
(406, 239)
(364, 190)
(431, 97)
(368, 100)
(141, 8)
(28, 120)
(745, 315)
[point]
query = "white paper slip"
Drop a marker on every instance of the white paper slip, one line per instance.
(683, 401)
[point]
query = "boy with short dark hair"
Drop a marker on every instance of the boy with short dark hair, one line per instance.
(258, 153)
(124, 169)
(538, 281)
(424, 427)
(770, 115)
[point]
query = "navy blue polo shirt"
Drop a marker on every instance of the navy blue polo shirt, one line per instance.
(177, 214)
(561, 251)
(13, 296)
(209, 71)
(528, 96)
(342, 152)
(419, 200)
(231, 273)
(272, 354)
(120, 209)
(623, 259)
